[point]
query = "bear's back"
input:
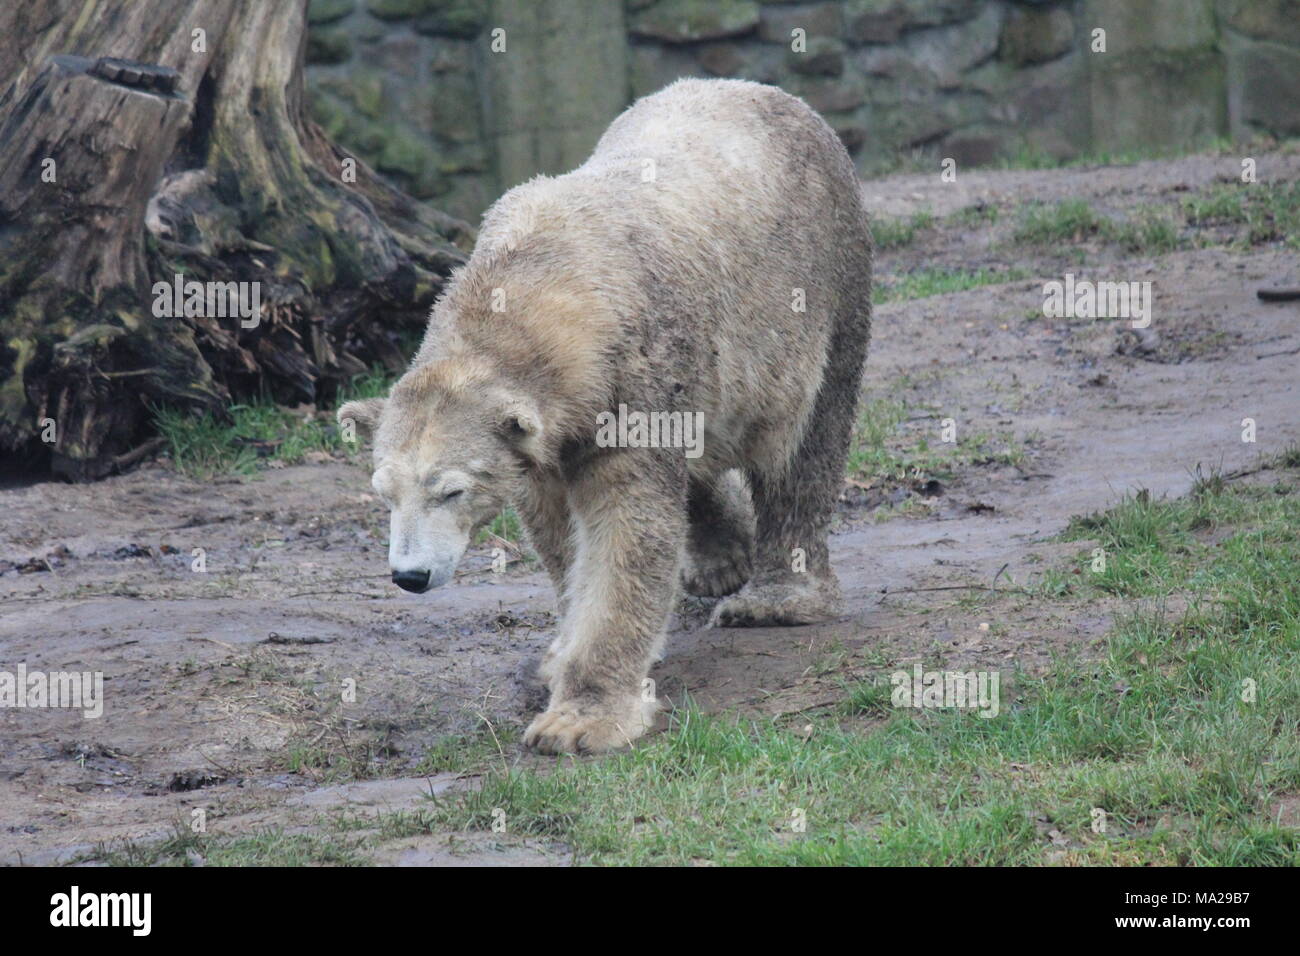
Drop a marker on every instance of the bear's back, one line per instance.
(718, 129)
(697, 158)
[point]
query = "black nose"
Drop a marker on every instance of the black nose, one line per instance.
(415, 581)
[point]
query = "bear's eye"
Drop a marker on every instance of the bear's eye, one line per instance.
(451, 495)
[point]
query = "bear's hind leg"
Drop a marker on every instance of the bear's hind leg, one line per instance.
(793, 582)
(720, 543)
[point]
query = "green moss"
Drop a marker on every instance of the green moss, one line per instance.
(332, 115)
(368, 94)
(453, 18)
(13, 396)
(399, 9)
(327, 11)
(413, 162)
(687, 21)
(328, 46)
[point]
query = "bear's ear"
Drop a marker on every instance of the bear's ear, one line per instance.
(521, 424)
(363, 413)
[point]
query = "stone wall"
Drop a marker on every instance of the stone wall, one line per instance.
(425, 91)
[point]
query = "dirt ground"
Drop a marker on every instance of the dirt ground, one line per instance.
(224, 689)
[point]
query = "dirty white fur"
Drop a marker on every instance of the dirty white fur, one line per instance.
(662, 274)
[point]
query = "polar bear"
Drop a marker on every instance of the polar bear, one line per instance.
(655, 359)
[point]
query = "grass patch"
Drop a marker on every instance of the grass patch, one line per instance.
(1222, 204)
(1156, 547)
(897, 233)
(202, 446)
(1273, 214)
(465, 753)
(1070, 221)
(1029, 157)
(505, 525)
(882, 449)
(1160, 733)
(1148, 232)
(939, 281)
(270, 847)
(980, 214)
(1257, 213)
(1253, 215)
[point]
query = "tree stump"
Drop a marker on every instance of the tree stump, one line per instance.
(166, 138)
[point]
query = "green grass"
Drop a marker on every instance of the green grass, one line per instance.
(939, 281)
(1152, 547)
(505, 525)
(1029, 157)
(1257, 214)
(1149, 231)
(1070, 221)
(1222, 204)
(1026, 156)
(1273, 214)
(202, 446)
(980, 214)
(462, 753)
(269, 847)
(896, 233)
(1155, 733)
(882, 449)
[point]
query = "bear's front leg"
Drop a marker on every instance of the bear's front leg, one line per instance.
(544, 510)
(629, 518)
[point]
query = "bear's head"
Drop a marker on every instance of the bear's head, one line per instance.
(451, 447)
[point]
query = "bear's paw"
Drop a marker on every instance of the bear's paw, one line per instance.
(717, 574)
(576, 727)
(787, 603)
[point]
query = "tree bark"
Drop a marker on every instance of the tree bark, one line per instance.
(187, 155)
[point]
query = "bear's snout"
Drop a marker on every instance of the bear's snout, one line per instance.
(424, 547)
(414, 581)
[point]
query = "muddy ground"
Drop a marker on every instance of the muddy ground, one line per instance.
(224, 688)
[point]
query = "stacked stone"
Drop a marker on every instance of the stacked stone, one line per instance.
(412, 86)
(395, 81)
(972, 79)
(1260, 40)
